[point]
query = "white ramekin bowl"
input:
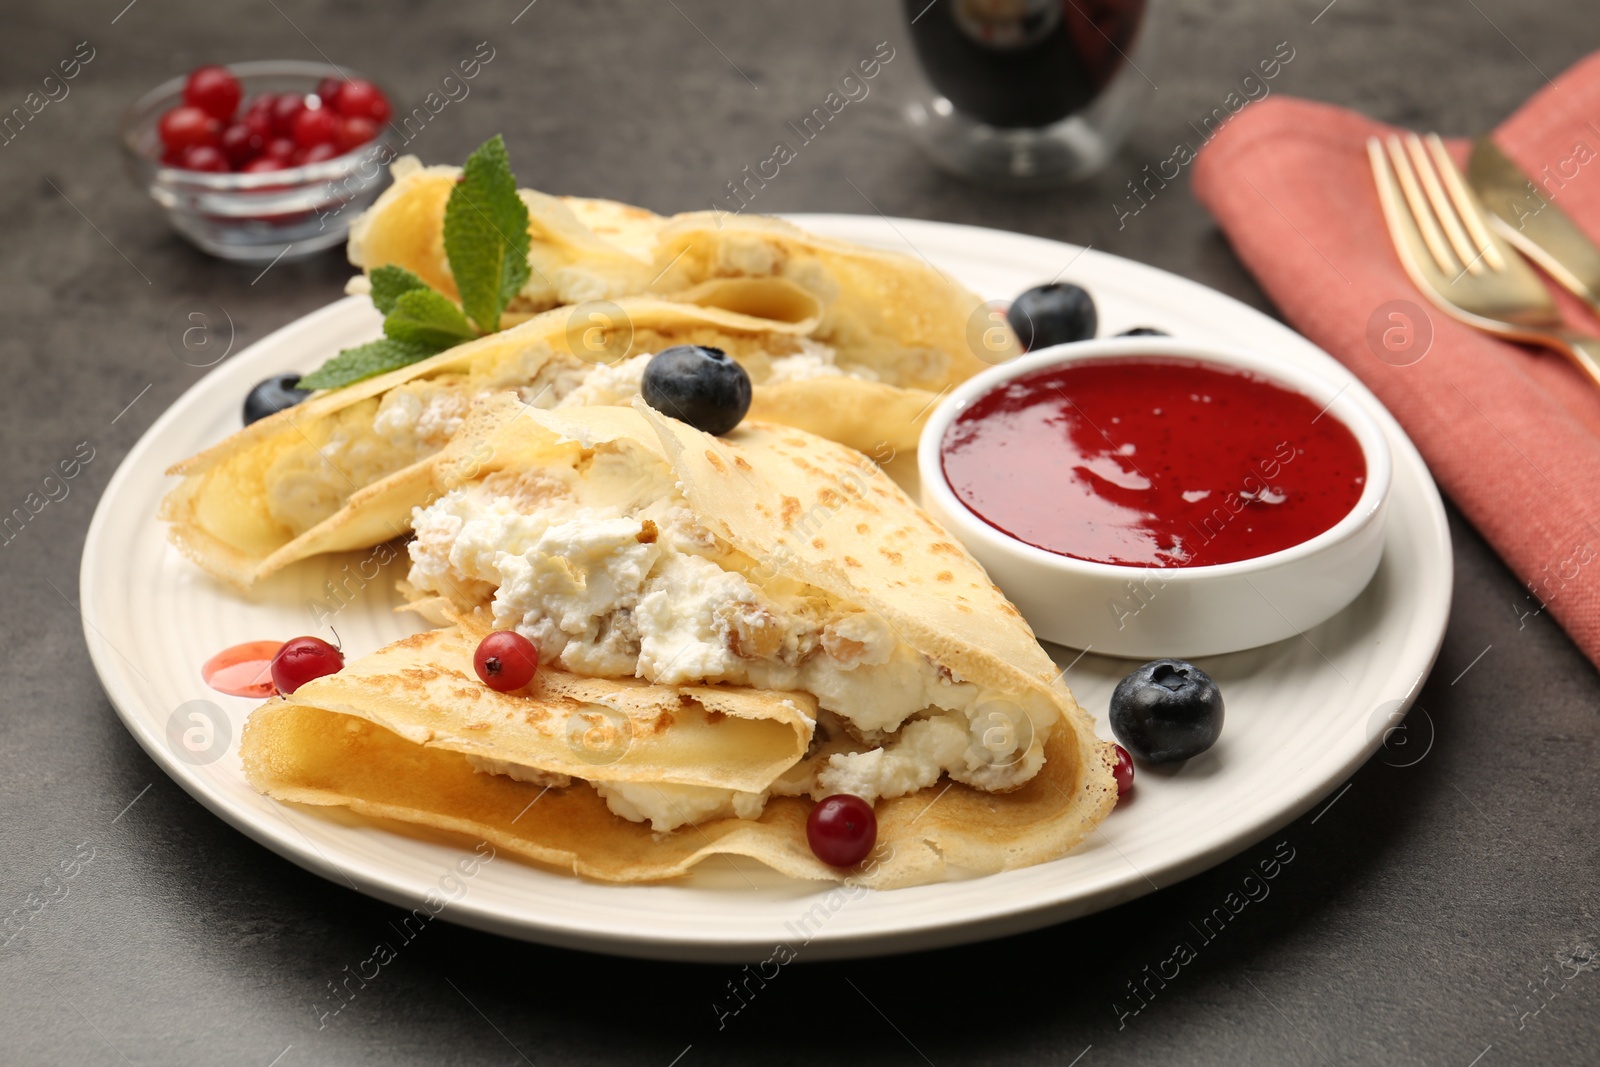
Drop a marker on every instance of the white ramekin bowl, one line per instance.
(1147, 613)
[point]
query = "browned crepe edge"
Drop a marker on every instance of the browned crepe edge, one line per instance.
(382, 510)
(425, 689)
(314, 757)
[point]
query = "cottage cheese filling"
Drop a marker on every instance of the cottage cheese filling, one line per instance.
(373, 438)
(606, 570)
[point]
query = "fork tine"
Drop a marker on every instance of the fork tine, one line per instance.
(1420, 211)
(1383, 177)
(1443, 208)
(1397, 216)
(1511, 303)
(1470, 212)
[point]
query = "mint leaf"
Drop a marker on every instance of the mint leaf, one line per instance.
(486, 235)
(486, 241)
(366, 361)
(428, 318)
(390, 283)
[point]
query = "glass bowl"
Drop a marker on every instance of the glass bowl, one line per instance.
(281, 214)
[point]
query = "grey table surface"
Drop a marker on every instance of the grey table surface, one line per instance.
(1442, 912)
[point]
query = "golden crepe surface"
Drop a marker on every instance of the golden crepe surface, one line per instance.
(580, 249)
(226, 514)
(891, 313)
(305, 755)
(894, 331)
(424, 689)
(760, 489)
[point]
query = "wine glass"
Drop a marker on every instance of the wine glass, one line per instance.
(1028, 93)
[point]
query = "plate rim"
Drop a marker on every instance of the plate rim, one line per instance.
(921, 931)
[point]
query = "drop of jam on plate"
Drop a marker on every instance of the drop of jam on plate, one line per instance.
(1153, 462)
(243, 670)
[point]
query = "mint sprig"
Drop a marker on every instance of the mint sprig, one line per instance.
(486, 235)
(390, 284)
(425, 317)
(366, 361)
(486, 243)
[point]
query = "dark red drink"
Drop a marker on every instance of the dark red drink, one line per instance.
(1023, 63)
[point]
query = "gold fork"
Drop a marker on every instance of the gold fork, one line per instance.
(1445, 243)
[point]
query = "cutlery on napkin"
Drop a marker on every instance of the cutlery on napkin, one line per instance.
(1511, 434)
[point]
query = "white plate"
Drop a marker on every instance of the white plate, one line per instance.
(1301, 715)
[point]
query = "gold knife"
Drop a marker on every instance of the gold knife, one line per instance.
(1527, 217)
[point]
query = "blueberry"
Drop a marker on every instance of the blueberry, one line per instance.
(1167, 711)
(1144, 331)
(1054, 314)
(700, 385)
(272, 396)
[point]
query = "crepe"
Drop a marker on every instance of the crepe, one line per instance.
(888, 312)
(770, 567)
(423, 689)
(303, 755)
(344, 469)
(892, 312)
(580, 249)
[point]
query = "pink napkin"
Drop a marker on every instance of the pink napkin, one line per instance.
(1512, 434)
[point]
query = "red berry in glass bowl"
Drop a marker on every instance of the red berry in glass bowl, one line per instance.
(328, 91)
(185, 127)
(1123, 772)
(280, 148)
(356, 132)
(359, 98)
(213, 90)
(284, 109)
(258, 114)
(241, 144)
(258, 120)
(204, 157)
(262, 164)
(842, 830)
(302, 659)
(506, 661)
(317, 153)
(314, 126)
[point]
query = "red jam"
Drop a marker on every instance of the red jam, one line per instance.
(1154, 462)
(243, 670)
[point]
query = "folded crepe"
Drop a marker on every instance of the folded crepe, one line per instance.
(851, 343)
(344, 469)
(729, 629)
(892, 315)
